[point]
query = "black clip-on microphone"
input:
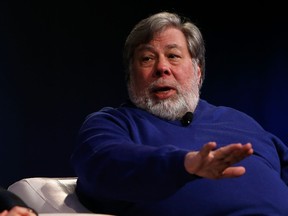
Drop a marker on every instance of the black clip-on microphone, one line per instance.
(187, 119)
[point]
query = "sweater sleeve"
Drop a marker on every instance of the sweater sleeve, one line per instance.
(110, 164)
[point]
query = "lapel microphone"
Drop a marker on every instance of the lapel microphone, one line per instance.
(187, 119)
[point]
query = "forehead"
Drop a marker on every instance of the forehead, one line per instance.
(168, 38)
(170, 33)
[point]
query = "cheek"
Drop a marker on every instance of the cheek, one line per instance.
(192, 74)
(141, 79)
(138, 83)
(185, 78)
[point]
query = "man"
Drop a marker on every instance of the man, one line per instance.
(162, 152)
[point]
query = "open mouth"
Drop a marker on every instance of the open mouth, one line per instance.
(163, 92)
(161, 89)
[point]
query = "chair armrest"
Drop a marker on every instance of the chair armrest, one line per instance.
(49, 195)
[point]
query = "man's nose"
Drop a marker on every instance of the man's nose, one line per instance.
(162, 68)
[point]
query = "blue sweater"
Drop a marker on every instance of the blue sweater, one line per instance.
(130, 162)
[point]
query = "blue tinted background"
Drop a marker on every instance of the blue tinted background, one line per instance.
(60, 61)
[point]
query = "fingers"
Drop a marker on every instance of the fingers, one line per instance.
(217, 163)
(229, 155)
(207, 148)
(18, 211)
(232, 172)
(234, 152)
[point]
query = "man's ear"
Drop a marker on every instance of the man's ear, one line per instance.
(199, 74)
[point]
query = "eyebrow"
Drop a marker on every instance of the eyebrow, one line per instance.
(172, 46)
(151, 48)
(144, 47)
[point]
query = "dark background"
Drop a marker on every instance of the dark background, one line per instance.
(60, 61)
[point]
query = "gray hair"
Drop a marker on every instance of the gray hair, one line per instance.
(144, 31)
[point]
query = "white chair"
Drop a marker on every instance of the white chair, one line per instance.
(51, 196)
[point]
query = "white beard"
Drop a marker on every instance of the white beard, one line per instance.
(172, 108)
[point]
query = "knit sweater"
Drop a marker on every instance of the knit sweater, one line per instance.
(130, 162)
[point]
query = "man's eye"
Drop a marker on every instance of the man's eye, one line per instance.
(146, 58)
(172, 56)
